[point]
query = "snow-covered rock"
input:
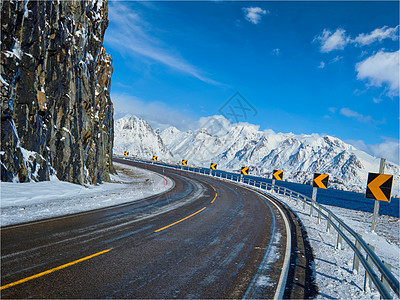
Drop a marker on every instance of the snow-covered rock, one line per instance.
(136, 136)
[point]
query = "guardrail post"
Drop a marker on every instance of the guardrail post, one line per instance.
(319, 216)
(311, 208)
(356, 260)
(339, 239)
(383, 279)
(328, 225)
(297, 200)
(304, 203)
(367, 280)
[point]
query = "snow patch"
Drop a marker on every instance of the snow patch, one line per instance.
(16, 50)
(25, 202)
(264, 281)
(2, 80)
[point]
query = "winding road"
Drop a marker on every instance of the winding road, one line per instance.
(205, 238)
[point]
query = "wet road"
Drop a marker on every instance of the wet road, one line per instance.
(203, 239)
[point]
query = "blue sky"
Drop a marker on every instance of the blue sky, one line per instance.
(305, 67)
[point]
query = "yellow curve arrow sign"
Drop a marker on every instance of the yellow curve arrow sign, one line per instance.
(375, 187)
(277, 174)
(318, 181)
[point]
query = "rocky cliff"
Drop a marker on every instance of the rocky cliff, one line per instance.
(56, 112)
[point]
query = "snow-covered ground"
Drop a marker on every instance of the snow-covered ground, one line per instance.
(333, 267)
(24, 202)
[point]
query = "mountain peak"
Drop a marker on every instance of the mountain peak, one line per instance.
(136, 136)
(233, 145)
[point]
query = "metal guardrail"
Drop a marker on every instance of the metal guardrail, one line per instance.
(357, 246)
(362, 251)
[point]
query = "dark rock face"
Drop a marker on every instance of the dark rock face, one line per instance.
(56, 111)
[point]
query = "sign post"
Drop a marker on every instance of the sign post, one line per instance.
(314, 193)
(278, 175)
(376, 205)
(163, 174)
(319, 181)
(314, 197)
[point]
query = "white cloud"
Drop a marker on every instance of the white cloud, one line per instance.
(276, 51)
(332, 40)
(157, 113)
(338, 40)
(388, 149)
(347, 112)
(268, 132)
(332, 109)
(322, 64)
(378, 34)
(377, 100)
(380, 69)
(337, 58)
(129, 34)
(254, 14)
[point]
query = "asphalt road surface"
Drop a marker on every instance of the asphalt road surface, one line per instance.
(205, 238)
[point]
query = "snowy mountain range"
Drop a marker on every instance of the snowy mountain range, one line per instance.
(136, 136)
(233, 146)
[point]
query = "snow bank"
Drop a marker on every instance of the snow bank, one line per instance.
(25, 202)
(333, 267)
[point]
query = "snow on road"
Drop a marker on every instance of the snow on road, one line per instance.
(333, 267)
(25, 202)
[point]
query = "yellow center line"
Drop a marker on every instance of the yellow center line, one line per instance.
(52, 270)
(180, 220)
(215, 197)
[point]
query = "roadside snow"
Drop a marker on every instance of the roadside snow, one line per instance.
(25, 202)
(333, 267)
